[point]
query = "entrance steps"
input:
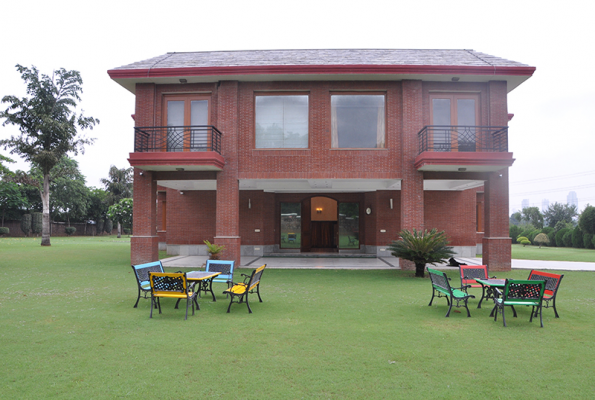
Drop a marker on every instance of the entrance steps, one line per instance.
(319, 255)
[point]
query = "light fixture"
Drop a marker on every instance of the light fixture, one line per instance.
(499, 175)
(179, 169)
(462, 169)
(141, 173)
(455, 79)
(319, 210)
(249, 204)
(391, 204)
(183, 80)
(181, 192)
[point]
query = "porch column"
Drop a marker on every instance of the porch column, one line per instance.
(228, 192)
(144, 244)
(412, 183)
(496, 242)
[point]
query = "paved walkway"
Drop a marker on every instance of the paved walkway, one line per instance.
(196, 262)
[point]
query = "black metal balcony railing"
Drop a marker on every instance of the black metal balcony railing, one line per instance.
(463, 138)
(177, 138)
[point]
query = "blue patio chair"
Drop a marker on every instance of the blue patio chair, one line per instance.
(141, 273)
(223, 266)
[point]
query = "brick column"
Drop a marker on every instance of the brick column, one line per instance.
(412, 184)
(144, 244)
(228, 192)
(496, 242)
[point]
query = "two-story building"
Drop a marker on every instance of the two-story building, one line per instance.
(320, 150)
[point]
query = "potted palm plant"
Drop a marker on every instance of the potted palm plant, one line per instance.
(214, 250)
(422, 248)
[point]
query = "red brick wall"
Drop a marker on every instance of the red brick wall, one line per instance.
(452, 212)
(191, 217)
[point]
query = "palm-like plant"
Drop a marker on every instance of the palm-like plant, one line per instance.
(422, 248)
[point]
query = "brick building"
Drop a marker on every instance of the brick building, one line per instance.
(320, 150)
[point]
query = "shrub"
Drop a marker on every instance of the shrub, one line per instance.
(126, 231)
(541, 240)
(525, 242)
(552, 237)
(4, 230)
(514, 231)
(26, 224)
(567, 238)
(547, 230)
(70, 230)
(532, 235)
(588, 241)
(587, 220)
(560, 237)
(109, 226)
(577, 238)
(520, 239)
(99, 227)
(526, 232)
(36, 223)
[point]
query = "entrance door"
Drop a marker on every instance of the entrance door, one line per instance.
(320, 229)
(187, 118)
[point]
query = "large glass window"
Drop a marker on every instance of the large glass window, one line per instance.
(349, 225)
(281, 122)
(459, 114)
(187, 118)
(357, 121)
(291, 225)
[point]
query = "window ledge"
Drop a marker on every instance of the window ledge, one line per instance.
(281, 152)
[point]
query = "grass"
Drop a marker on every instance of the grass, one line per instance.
(69, 331)
(552, 253)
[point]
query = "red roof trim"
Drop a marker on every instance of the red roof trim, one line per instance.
(320, 69)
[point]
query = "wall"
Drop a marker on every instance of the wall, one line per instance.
(57, 229)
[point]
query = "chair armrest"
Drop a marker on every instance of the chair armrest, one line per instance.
(493, 277)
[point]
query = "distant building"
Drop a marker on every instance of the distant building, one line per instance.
(572, 199)
(525, 204)
(545, 203)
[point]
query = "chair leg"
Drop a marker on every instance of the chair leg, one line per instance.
(230, 301)
(432, 299)
(449, 308)
(159, 304)
(555, 309)
(514, 311)
(258, 292)
(187, 304)
(468, 313)
(541, 315)
(152, 300)
(137, 299)
(503, 317)
(248, 304)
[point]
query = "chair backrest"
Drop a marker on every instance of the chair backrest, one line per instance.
(225, 267)
(141, 271)
(523, 291)
(168, 282)
(552, 281)
(439, 279)
(255, 277)
(469, 273)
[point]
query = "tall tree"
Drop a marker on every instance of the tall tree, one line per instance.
(70, 195)
(118, 187)
(533, 216)
(559, 212)
(48, 124)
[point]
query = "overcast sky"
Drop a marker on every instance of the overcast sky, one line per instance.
(551, 135)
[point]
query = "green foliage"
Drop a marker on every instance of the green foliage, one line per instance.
(521, 238)
(422, 248)
(98, 205)
(560, 237)
(541, 239)
(514, 231)
(121, 212)
(109, 226)
(533, 216)
(527, 231)
(118, 185)
(547, 230)
(577, 238)
(70, 195)
(525, 242)
(70, 230)
(26, 224)
(12, 200)
(567, 238)
(214, 250)
(587, 220)
(552, 237)
(4, 230)
(36, 223)
(588, 242)
(533, 233)
(559, 213)
(99, 227)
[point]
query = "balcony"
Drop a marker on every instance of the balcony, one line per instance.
(463, 148)
(177, 148)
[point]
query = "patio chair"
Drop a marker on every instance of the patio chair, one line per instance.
(226, 269)
(171, 285)
(552, 283)
(469, 274)
(141, 273)
(242, 289)
(520, 293)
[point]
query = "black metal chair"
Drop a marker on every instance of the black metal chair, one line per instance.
(171, 285)
(241, 290)
(141, 273)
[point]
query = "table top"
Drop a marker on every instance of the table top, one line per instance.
(492, 282)
(201, 275)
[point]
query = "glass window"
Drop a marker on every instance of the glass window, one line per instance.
(281, 122)
(459, 114)
(291, 225)
(349, 225)
(357, 121)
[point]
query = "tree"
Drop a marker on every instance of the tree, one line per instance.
(70, 195)
(121, 213)
(422, 248)
(118, 187)
(559, 212)
(587, 220)
(541, 240)
(11, 200)
(533, 216)
(48, 125)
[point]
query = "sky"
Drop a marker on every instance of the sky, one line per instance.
(551, 135)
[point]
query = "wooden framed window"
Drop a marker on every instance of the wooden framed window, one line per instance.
(358, 121)
(186, 118)
(459, 112)
(281, 121)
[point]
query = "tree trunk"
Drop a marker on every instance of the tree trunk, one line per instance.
(45, 222)
(119, 230)
(419, 269)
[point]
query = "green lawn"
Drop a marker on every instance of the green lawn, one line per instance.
(552, 253)
(68, 331)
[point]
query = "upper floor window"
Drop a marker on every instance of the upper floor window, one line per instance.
(281, 122)
(460, 113)
(186, 118)
(357, 121)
